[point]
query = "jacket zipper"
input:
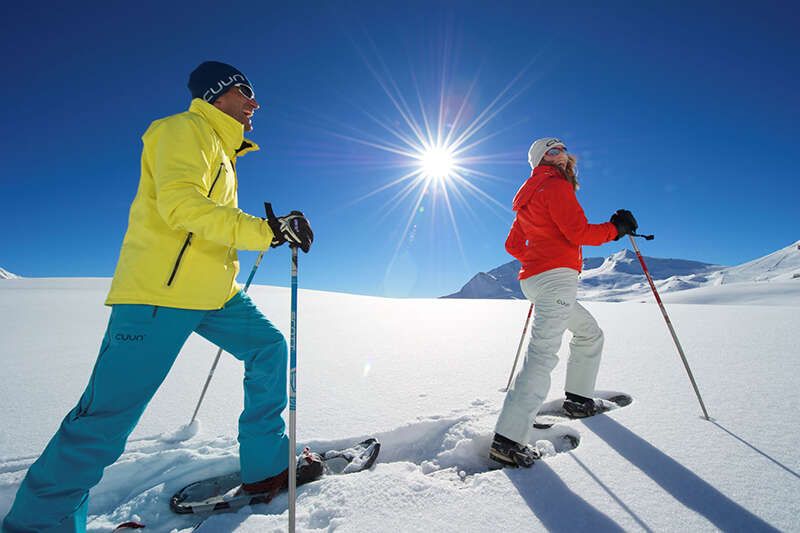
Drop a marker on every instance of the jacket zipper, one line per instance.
(188, 240)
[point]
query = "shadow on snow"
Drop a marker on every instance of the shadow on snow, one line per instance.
(683, 484)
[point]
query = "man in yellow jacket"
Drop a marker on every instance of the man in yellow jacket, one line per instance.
(176, 275)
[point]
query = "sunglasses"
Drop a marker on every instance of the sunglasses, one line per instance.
(246, 91)
(555, 151)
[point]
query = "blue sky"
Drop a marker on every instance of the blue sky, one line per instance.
(684, 113)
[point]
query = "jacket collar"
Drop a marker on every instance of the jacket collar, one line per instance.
(229, 130)
(546, 171)
(539, 175)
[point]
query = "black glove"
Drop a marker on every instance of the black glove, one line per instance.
(292, 228)
(625, 223)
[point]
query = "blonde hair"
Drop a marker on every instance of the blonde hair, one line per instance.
(570, 172)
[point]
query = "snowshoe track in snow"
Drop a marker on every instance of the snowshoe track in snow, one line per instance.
(436, 451)
(460, 442)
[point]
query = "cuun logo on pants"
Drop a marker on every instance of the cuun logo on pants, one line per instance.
(128, 337)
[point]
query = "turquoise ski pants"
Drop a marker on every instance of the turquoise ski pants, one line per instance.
(140, 345)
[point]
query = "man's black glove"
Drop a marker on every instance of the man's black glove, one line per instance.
(292, 228)
(625, 223)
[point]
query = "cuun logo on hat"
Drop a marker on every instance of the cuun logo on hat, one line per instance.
(539, 147)
(212, 78)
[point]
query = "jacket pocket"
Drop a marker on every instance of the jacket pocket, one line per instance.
(188, 240)
(186, 244)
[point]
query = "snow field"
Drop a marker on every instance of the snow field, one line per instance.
(423, 376)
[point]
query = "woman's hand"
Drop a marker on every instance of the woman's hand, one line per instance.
(624, 222)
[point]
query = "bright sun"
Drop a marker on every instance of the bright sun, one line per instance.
(434, 144)
(437, 163)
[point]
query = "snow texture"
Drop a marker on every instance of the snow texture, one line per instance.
(422, 375)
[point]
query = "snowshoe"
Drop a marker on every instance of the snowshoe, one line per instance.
(226, 492)
(556, 411)
(510, 453)
(579, 409)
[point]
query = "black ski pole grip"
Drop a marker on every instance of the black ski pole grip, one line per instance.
(645, 237)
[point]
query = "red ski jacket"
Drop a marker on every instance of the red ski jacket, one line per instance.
(550, 225)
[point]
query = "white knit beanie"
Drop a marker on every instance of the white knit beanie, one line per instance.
(539, 147)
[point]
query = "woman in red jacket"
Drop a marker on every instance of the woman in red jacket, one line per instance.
(546, 237)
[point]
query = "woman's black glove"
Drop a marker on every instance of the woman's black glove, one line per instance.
(624, 222)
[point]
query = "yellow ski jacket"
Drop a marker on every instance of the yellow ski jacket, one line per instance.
(184, 225)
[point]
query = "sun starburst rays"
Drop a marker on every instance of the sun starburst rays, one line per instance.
(438, 138)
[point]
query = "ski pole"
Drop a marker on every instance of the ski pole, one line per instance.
(293, 395)
(669, 323)
(519, 349)
(219, 352)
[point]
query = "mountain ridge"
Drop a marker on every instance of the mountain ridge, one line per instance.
(5, 274)
(619, 277)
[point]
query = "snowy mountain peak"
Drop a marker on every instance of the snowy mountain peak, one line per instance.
(622, 255)
(622, 261)
(626, 262)
(5, 274)
(601, 276)
(620, 276)
(500, 283)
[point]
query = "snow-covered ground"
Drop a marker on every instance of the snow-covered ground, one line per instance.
(423, 375)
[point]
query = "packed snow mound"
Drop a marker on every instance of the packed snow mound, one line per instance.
(5, 274)
(428, 453)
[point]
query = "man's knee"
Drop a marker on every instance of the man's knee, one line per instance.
(265, 336)
(280, 345)
(273, 347)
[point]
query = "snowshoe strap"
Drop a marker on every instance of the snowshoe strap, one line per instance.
(353, 459)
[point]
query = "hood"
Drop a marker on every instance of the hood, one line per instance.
(539, 175)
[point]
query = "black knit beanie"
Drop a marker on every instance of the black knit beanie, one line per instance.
(212, 78)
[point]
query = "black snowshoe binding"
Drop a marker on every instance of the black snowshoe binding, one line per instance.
(510, 453)
(310, 467)
(580, 409)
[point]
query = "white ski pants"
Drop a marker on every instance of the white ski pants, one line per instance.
(555, 310)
